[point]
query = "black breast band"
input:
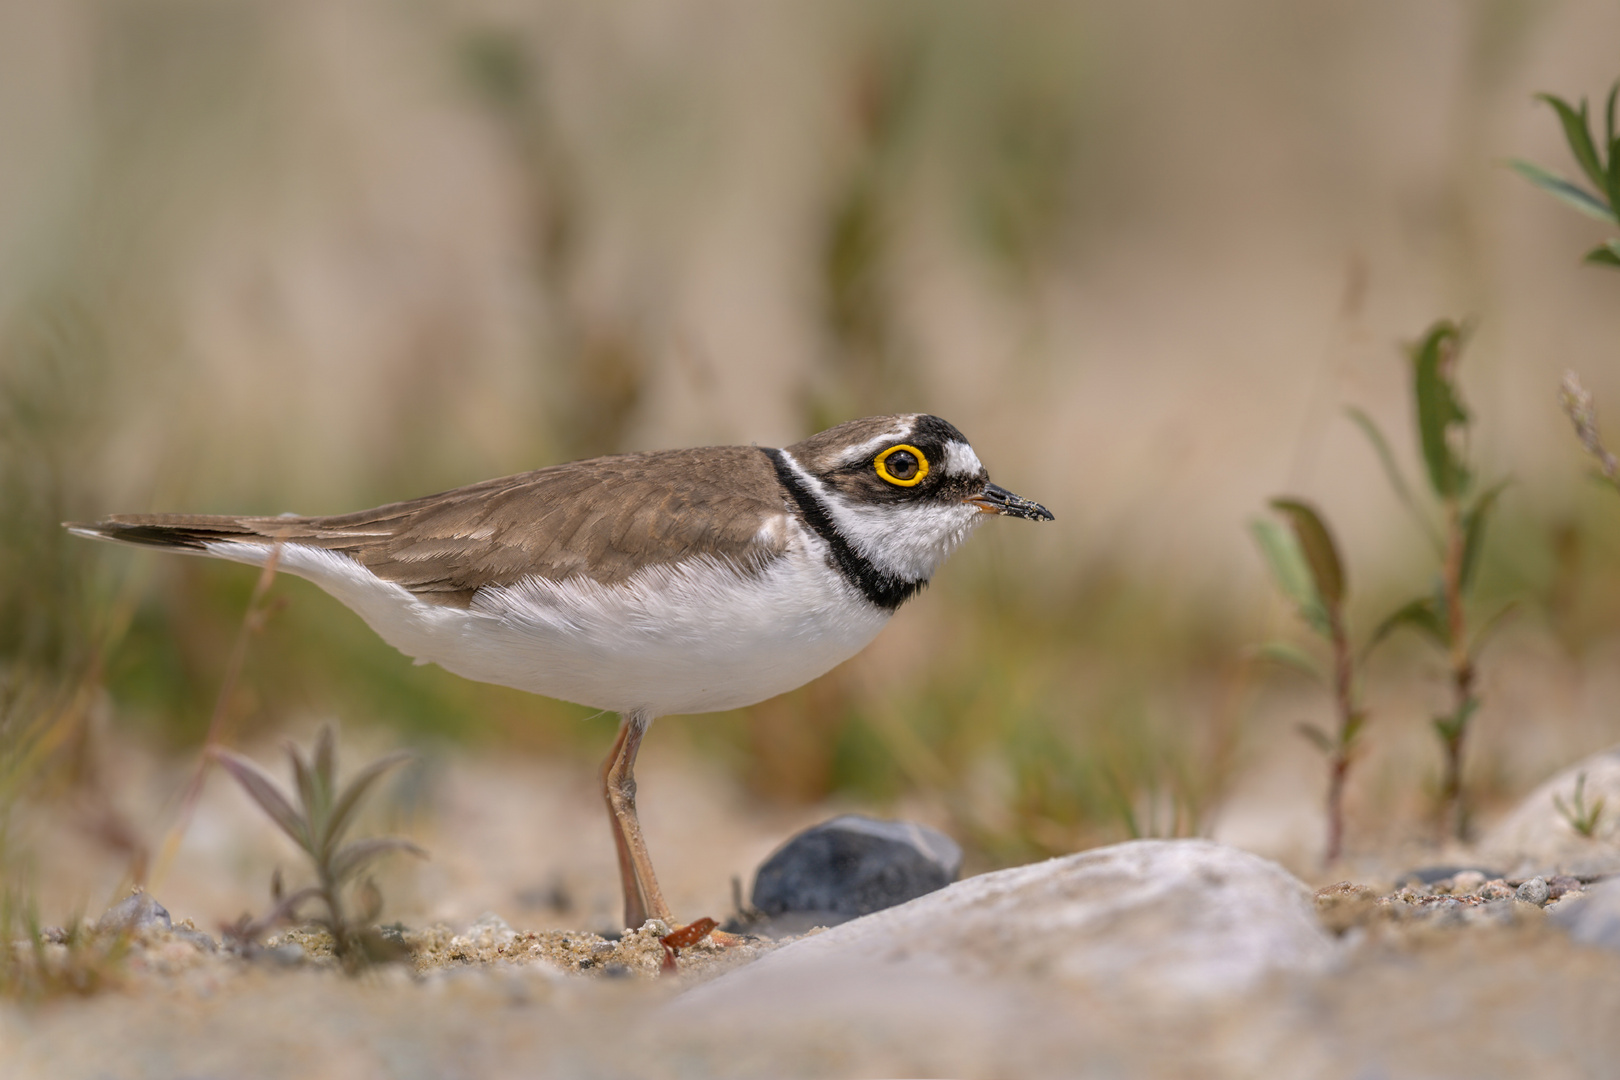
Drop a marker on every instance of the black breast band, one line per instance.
(884, 590)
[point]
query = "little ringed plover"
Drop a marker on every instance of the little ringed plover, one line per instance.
(678, 581)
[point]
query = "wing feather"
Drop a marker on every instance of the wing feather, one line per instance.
(601, 519)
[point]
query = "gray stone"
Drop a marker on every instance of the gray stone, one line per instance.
(1163, 920)
(853, 866)
(203, 941)
(1533, 891)
(1591, 917)
(137, 911)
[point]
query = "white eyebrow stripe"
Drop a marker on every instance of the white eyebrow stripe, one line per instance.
(960, 460)
(871, 446)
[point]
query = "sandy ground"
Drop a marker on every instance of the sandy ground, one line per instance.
(525, 839)
(1405, 1001)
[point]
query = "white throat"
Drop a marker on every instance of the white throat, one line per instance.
(907, 541)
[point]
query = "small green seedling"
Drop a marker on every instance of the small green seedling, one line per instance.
(1599, 161)
(317, 825)
(1305, 563)
(1465, 507)
(1581, 817)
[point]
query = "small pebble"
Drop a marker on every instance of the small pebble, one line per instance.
(1559, 884)
(1467, 882)
(1533, 891)
(853, 866)
(135, 912)
(1496, 890)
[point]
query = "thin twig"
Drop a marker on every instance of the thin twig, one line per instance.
(252, 622)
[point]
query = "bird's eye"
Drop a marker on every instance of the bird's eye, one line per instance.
(902, 465)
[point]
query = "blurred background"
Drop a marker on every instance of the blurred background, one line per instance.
(298, 256)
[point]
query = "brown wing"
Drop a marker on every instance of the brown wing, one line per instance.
(601, 519)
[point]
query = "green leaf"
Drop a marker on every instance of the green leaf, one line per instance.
(1422, 615)
(1290, 572)
(1352, 729)
(1392, 471)
(1473, 523)
(263, 790)
(1608, 126)
(324, 770)
(350, 858)
(1321, 553)
(1612, 180)
(1452, 727)
(1577, 132)
(1291, 656)
(1438, 407)
(1565, 191)
(1316, 737)
(343, 809)
(305, 782)
(1605, 254)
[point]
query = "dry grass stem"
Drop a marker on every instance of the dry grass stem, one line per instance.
(1577, 402)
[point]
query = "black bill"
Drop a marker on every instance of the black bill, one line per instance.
(995, 499)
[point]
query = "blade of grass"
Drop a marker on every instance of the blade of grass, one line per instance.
(1578, 133)
(1474, 532)
(1392, 472)
(1565, 191)
(1290, 656)
(348, 859)
(1608, 126)
(263, 790)
(344, 807)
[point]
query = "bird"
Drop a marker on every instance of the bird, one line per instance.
(644, 584)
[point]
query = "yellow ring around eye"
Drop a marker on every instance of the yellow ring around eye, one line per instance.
(881, 464)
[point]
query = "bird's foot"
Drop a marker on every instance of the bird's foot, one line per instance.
(684, 937)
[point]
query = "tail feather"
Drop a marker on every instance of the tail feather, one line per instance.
(186, 532)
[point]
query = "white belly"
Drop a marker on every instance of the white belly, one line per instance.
(697, 637)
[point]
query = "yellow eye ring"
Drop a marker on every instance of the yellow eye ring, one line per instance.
(882, 466)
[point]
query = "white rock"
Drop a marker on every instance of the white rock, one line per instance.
(1594, 918)
(1537, 836)
(1168, 919)
(491, 930)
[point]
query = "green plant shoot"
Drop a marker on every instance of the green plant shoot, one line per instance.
(1304, 561)
(1442, 618)
(317, 825)
(1599, 160)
